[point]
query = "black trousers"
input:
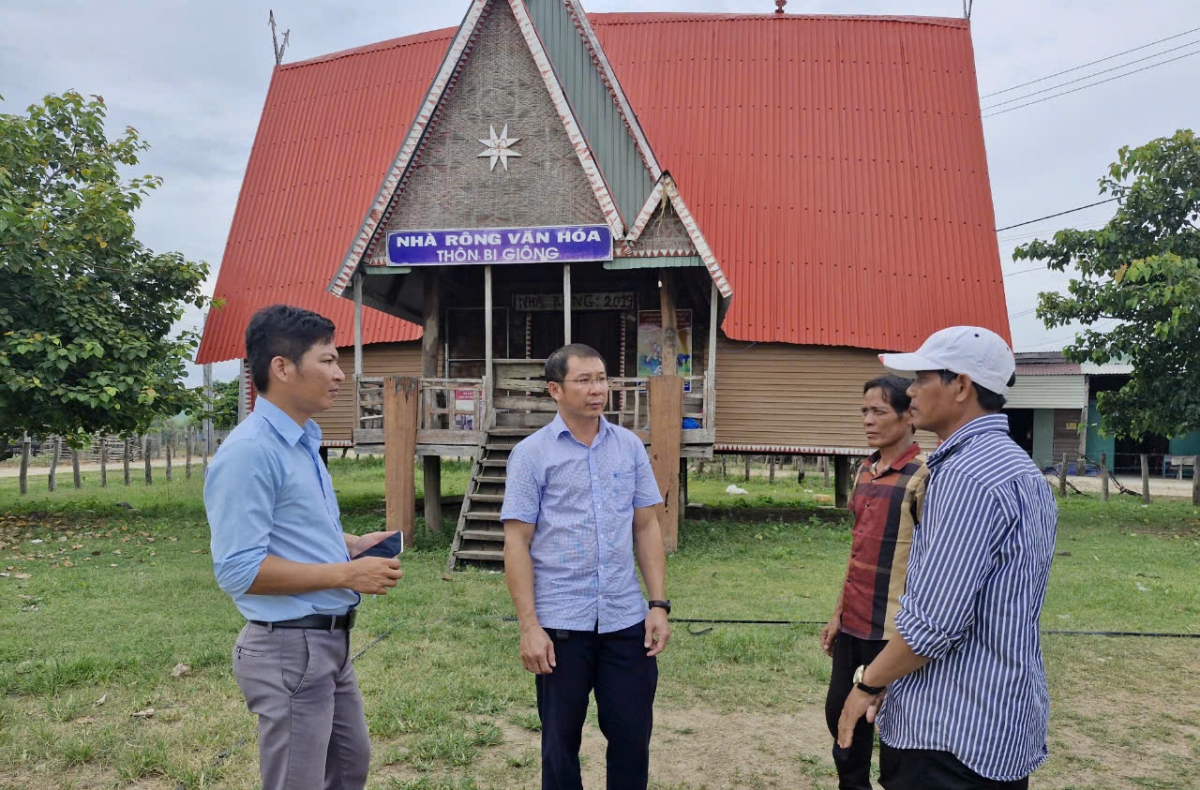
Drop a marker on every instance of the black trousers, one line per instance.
(853, 764)
(615, 666)
(922, 769)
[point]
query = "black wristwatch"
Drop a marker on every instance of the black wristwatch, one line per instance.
(661, 605)
(874, 691)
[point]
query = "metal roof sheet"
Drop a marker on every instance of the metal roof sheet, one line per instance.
(836, 165)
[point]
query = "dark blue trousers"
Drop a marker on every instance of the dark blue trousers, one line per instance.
(615, 666)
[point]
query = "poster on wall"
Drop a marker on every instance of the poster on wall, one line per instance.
(650, 344)
(464, 410)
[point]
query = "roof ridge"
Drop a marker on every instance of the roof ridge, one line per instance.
(614, 18)
(642, 17)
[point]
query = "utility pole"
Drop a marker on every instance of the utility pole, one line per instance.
(279, 49)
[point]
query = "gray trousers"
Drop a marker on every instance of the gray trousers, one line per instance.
(312, 734)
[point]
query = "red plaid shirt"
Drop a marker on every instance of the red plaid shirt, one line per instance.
(886, 504)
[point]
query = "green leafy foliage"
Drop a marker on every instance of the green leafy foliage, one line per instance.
(224, 406)
(87, 312)
(1143, 270)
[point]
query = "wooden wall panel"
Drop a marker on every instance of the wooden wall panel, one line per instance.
(379, 359)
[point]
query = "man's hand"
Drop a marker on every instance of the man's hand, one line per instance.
(373, 575)
(658, 631)
(829, 633)
(858, 704)
(537, 650)
(365, 542)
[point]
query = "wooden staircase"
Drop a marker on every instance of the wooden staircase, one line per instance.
(479, 536)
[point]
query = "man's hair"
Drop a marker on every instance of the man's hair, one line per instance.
(559, 361)
(988, 400)
(282, 331)
(895, 392)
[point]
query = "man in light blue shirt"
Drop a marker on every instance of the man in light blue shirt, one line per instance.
(580, 500)
(279, 551)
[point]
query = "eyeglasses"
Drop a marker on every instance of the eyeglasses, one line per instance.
(587, 382)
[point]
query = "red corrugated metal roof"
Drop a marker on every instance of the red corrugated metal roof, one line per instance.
(835, 164)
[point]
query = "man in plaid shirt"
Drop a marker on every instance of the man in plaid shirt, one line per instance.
(886, 503)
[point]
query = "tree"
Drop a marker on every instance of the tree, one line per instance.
(224, 406)
(1141, 270)
(87, 310)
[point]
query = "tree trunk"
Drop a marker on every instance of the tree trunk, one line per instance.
(75, 476)
(103, 462)
(128, 458)
(1103, 477)
(55, 448)
(146, 458)
(24, 474)
(1145, 479)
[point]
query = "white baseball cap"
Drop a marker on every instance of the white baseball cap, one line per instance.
(966, 350)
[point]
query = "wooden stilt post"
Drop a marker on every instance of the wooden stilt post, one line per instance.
(683, 488)
(489, 383)
(566, 304)
(128, 453)
(401, 403)
(24, 473)
(1145, 479)
(76, 478)
(666, 435)
(1103, 477)
(103, 461)
(841, 480)
(431, 470)
(146, 458)
(670, 328)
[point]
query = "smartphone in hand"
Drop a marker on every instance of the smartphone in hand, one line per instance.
(388, 548)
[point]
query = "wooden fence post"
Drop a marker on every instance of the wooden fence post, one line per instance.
(187, 441)
(1196, 480)
(1062, 477)
(103, 462)
(24, 474)
(666, 436)
(76, 478)
(1145, 479)
(55, 447)
(167, 452)
(1103, 477)
(128, 454)
(771, 470)
(146, 458)
(746, 478)
(724, 466)
(825, 468)
(401, 404)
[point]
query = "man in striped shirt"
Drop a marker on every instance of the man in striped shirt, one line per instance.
(887, 501)
(962, 685)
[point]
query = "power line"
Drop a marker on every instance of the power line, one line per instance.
(1093, 63)
(1093, 74)
(1059, 214)
(1093, 84)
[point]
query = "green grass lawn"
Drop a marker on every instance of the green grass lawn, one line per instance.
(95, 616)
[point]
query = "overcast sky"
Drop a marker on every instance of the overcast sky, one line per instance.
(192, 77)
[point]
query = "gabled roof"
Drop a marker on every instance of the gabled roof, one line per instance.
(835, 165)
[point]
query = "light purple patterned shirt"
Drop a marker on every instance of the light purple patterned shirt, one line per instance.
(581, 500)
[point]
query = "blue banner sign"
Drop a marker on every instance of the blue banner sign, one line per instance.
(566, 244)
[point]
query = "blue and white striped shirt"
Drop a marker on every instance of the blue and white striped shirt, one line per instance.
(581, 500)
(977, 578)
